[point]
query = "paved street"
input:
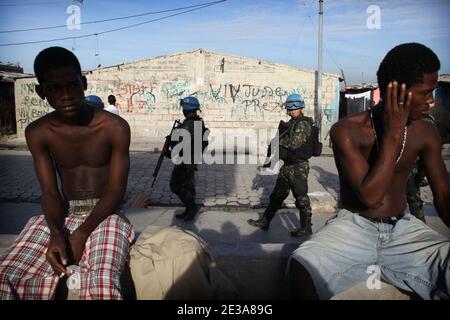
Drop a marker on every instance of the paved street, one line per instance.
(230, 195)
(230, 186)
(227, 186)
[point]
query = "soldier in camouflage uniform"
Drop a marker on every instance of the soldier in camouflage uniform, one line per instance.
(416, 177)
(182, 181)
(293, 174)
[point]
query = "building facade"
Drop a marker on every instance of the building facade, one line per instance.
(237, 94)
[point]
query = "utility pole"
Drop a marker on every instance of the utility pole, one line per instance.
(318, 109)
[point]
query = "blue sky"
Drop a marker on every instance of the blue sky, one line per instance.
(278, 31)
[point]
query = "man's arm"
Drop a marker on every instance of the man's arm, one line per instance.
(117, 183)
(372, 183)
(436, 172)
(51, 201)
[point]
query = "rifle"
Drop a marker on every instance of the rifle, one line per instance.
(282, 130)
(164, 150)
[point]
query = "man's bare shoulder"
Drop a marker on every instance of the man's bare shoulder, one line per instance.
(422, 125)
(108, 118)
(350, 126)
(424, 132)
(113, 124)
(38, 127)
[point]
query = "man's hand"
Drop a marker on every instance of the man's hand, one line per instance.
(56, 253)
(77, 242)
(396, 109)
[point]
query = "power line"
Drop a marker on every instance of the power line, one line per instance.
(112, 30)
(326, 47)
(113, 19)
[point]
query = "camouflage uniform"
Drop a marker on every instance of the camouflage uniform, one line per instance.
(415, 203)
(182, 181)
(292, 176)
(415, 179)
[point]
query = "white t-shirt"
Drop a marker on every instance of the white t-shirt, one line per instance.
(112, 109)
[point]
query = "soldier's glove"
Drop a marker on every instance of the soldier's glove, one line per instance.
(282, 126)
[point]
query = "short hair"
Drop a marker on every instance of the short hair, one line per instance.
(406, 63)
(111, 99)
(54, 58)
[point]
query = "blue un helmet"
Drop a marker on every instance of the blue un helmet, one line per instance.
(294, 101)
(94, 101)
(189, 103)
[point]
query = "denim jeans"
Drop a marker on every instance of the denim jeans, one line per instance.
(409, 254)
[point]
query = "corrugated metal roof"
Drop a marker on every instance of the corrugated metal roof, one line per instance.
(368, 86)
(6, 76)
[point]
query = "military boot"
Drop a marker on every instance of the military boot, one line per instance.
(305, 228)
(181, 215)
(191, 211)
(264, 222)
(187, 203)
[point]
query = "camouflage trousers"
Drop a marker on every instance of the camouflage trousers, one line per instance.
(415, 203)
(292, 177)
(182, 183)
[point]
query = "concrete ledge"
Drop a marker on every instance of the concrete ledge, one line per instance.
(254, 260)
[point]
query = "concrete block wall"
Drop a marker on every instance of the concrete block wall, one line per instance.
(235, 92)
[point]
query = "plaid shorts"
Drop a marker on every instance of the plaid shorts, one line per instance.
(26, 274)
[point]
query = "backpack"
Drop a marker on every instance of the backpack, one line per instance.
(316, 144)
(311, 148)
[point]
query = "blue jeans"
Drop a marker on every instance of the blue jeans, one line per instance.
(410, 255)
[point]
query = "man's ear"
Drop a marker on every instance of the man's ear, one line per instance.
(84, 81)
(39, 91)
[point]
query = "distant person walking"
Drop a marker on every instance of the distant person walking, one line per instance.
(112, 105)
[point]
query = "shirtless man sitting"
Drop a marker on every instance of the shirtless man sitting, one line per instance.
(374, 152)
(89, 150)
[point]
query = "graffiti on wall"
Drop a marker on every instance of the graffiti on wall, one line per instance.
(143, 97)
(247, 100)
(239, 100)
(242, 100)
(30, 106)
